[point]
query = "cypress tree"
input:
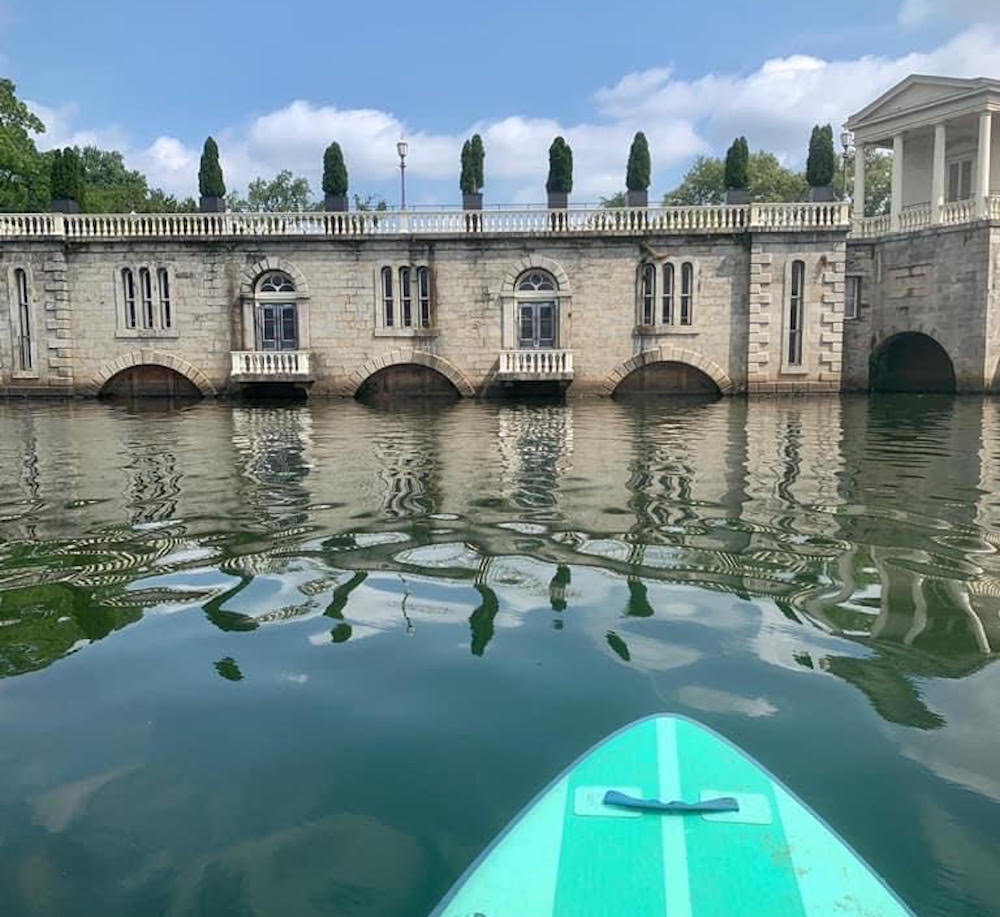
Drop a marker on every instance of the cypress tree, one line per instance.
(66, 179)
(334, 170)
(821, 164)
(478, 159)
(466, 180)
(57, 177)
(210, 183)
(738, 165)
(560, 167)
(637, 174)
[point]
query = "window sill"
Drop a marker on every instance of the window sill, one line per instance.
(130, 334)
(794, 371)
(406, 332)
(23, 375)
(658, 330)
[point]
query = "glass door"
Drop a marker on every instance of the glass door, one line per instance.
(536, 325)
(278, 327)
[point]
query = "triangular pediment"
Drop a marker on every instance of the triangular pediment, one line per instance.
(914, 93)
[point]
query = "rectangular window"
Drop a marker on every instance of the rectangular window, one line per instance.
(128, 291)
(146, 288)
(424, 294)
(648, 280)
(405, 297)
(795, 313)
(387, 306)
(687, 292)
(852, 297)
(960, 180)
(667, 304)
(166, 315)
(24, 321)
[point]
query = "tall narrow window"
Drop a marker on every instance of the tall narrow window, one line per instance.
(166, 314)
(960, 180)
(852, 297)
(128, 292)
(146, 290)
(648, 283)
(795, 314)
(387, 309)
(424, 295)
(24, 320)
(687, 292)
(405, 297)
(667, 298)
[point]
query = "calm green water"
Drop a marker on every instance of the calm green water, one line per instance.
(309, 660)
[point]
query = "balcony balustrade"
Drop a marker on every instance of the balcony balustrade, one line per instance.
(270, 366)
(535, 365)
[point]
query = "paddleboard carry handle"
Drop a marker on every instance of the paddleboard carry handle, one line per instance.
(722, 804)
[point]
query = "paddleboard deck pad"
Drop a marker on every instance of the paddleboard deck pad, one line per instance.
(603, 839)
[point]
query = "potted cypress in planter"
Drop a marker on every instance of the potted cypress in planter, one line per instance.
(210, 184)
(821, 164)
(637, 173)
(737, 177)
(66, 181)
(560, 181)
(471, 180)
(334, 179)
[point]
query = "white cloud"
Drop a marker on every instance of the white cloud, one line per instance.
(915, 13)
(774, 106)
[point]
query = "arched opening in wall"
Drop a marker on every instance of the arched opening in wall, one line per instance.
(407, 380)
(667, 378)
(911, 362)
(149, 381)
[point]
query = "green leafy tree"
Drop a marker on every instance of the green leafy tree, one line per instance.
(282, 194)
(638, 172)
(560, 178)
(768, 180)
(616, 200)
(369, 203)
(334, 171)
(878, 180)
(110, 187)
(821, 163)
(737, 174)
(210, 183)
(24, 172)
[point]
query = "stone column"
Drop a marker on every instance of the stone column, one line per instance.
(859, 181)
(897, 181)
(983, 165)
(938, 173)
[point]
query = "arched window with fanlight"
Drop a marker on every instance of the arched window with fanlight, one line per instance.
(667, 295)
(146, 291)
(405, 298)
(424, 296)
(687, 293)
(388, 311)
(537, 312)
(647, 294)
(276, 312)
(128, 297)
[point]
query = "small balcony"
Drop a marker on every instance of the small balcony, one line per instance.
(539, 365)
(270, 366)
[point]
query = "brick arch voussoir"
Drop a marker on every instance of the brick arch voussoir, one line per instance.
(401, 356)
(152, 358)
(250, 274)
(536, 262)
(670, 355)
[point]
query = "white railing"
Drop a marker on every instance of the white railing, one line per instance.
(915, 217)
(866, 227)
(993, 207)
(528, 364)
(597, 220)
(270, 363)
(958, 212)
(954, 213)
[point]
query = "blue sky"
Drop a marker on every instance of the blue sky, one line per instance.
(275, 82)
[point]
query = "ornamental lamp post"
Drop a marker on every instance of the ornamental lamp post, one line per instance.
(402, 147)
(845, 142)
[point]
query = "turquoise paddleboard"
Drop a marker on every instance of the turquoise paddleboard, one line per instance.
(734, 841)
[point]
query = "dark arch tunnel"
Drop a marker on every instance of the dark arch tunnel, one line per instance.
(911, 362)
(149, 380)
(407, 380)
(667, 378)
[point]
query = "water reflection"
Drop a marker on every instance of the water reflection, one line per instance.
(705, 550)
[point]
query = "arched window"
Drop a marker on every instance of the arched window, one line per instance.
(388, 312)
(128, 297)
(647, 294)
(24, 349)
(405, 297)
(667, 296)
(146, 291)
(424, 295)
(163, 283)
(536, 310)
(687, 292)
(796, 312)
(276, 312)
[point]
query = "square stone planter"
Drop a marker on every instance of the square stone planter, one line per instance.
(335, 203)
(737, 196)
(822, 194)
(212, 204)
(65, 205)
(472, 200)
(558, 200)
(637, 198)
